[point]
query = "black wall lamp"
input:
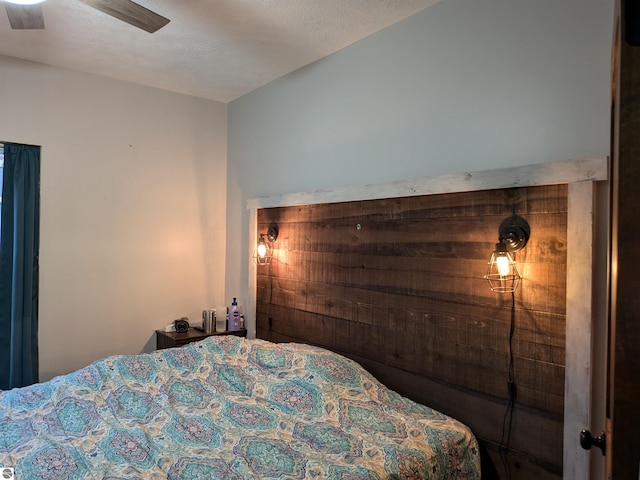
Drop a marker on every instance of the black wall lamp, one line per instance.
(502, 274)
(263, 253)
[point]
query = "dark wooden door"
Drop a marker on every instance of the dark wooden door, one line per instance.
(623, 406)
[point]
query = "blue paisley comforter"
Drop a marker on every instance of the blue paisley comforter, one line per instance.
(228, 408)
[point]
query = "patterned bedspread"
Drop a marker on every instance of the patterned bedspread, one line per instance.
(228, 408)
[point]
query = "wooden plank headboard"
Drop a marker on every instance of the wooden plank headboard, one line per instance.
(396, 283)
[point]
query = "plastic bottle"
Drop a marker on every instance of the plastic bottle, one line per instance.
(234, 316)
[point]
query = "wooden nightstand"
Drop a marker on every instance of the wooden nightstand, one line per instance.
(174, 339)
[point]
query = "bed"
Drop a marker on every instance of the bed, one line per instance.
(228, 408)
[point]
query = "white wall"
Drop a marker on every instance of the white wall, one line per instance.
(461, 86)
(133, 194)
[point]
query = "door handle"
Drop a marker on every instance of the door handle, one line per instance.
(587, 441)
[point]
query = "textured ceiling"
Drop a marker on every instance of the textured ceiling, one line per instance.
(215, 49)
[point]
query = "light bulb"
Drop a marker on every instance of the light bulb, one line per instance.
(262, 250)
(502, 263)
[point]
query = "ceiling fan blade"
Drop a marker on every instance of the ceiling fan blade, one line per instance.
(25, 17)
(131, 13)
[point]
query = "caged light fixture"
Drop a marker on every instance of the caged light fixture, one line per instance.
(502, 274)
(263, 253)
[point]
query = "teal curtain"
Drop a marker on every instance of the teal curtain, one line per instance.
(19, 247)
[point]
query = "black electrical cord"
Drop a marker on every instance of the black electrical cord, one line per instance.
(269, 318)
(511, 388)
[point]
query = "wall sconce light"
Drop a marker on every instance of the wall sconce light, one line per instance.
(263, 253)
(502, 274)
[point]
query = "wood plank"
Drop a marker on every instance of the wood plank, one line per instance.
(577, 391)
(453, 280)
(466, 204)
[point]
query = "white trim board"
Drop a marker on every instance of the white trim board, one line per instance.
(579, 175)
(567, 171)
